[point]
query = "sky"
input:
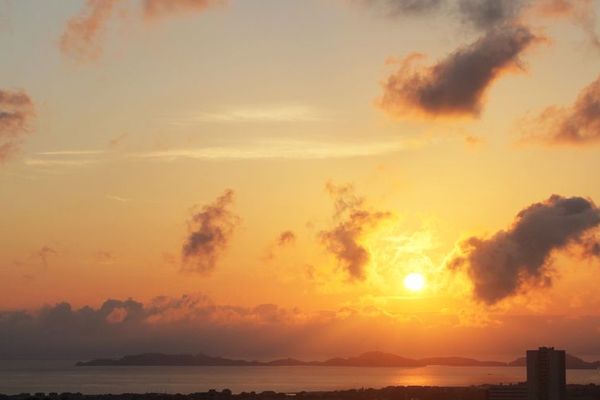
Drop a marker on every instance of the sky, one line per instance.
(257, 178)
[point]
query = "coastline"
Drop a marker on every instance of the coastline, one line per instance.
(479, 392)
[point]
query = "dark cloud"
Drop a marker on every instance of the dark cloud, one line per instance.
(16, 112)
(192, 324)
(457, 84)
(501, 265)
(485, 14)
(176, 325)
(578, 124)
(352, 221)
(479, 14)
(45, 253)
(210, 232)
(591, 248)
(403, 7)
(285, 238)
(84, 32)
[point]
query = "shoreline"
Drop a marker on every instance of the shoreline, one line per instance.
(475, 392)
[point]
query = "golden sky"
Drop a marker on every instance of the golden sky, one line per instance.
(182, 174)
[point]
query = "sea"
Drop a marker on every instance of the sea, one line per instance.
(63, 376)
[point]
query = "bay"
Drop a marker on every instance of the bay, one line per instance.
(63, 376)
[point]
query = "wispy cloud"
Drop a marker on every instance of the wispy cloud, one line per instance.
(119, 199)
(292, 150)
(265, 114)
(85, 32)
(258, 150)
(42, 162)
(65, 158)
(71, 152)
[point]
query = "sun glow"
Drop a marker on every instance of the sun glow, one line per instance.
(415, 282)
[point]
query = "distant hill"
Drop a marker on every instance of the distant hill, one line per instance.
(461, 362)
(373, 359)
(370, 359)
(571, 361)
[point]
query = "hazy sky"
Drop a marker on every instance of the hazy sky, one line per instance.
(257, 178)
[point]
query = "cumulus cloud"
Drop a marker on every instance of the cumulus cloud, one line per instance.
(84, 33)
(457, 84)
(501, 265)
(352, 221)
(16, 112)
(578, 124)
(210, 232)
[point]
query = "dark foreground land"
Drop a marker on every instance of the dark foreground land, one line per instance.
(579, 392)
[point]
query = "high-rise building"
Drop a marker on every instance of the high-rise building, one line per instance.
(546, 374)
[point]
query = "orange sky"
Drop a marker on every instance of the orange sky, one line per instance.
(238, 169)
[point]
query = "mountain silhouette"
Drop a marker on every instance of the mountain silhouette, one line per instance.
(369, 359)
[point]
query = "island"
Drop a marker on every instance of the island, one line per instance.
(369, 359)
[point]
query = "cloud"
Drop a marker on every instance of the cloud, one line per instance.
(485, 14)
(581, 12)
(164, 324)
(352, 221)
(84, 33)
(45, 253)
(502, 265)
(119, 199)
(211, 230)
(456, 85)
(285, 238)
(256, 114)
(194, 323)
(281, 150)
(104, 257)
(163, 8)
(16, 112)
(591, 248)
(404, 7)
(479, 14)
(82, 36)
(578, 124)
(117, 141)
(290, 149)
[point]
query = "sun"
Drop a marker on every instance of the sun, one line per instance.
(415, 282)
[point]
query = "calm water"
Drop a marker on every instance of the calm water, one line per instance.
(62, 376)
